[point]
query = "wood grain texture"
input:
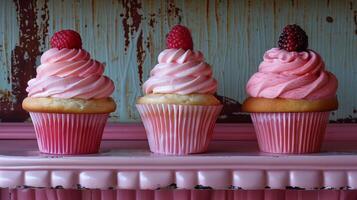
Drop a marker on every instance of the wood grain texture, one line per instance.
(128, 36)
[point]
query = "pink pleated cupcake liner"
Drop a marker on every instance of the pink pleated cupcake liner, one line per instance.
(178, 129)
(294, 133)
(68, 133)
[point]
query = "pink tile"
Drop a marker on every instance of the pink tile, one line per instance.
(66, 179)
(277, 179)
(128, 179)
(37, 178)
(156, 179)
(249, 179)
(335, 179)
(307, 179)
(216, 179)
(186, 179)
(97, 179)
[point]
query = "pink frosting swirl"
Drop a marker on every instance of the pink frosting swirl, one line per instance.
(292, 75)
(181, 72)
(70, 73)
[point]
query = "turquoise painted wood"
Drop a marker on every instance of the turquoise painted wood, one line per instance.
(128, 36)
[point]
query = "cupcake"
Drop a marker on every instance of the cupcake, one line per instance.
(69, 99)
(179, 109)
(291, 96)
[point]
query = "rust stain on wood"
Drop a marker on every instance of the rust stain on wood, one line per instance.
(45, 23)
(23, 60)
(140, 56)
(216, 5)
(227, 16)
(131, 23)
(174, 11)
(275, 14)
(355, 20)
(248, 20)
(131, 19)
(328, 3)
(207, 10)
(329, 19)
(152, 20)
(149, 46)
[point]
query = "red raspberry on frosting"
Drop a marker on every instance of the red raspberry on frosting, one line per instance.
(66, 39)
(293, 38)
(179, 37)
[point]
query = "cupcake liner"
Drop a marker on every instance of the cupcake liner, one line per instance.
(68, 133)
(178, 129)
(294, 133)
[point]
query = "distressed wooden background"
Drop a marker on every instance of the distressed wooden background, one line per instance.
(128, 35)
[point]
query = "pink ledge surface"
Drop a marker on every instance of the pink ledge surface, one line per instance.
(60, 194)
(136, 131)
(129, 165)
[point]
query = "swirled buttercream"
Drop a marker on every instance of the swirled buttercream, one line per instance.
(181, 72)
(292, 75)
(70, 73)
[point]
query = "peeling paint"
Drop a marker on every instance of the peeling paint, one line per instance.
(131, 19)
(216, 5)
(152, 20)
(140, 56)
(23, 61)
(329, 19)
(174, 11)
(131, 23)
(148, 42)
(355, 20)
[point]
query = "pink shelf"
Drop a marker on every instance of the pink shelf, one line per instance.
(134, 131)
(228, 165)
(232, 163)
(121, 194)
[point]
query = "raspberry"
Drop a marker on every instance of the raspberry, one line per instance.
(66, 39)
(179, 37)
(293, 38)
